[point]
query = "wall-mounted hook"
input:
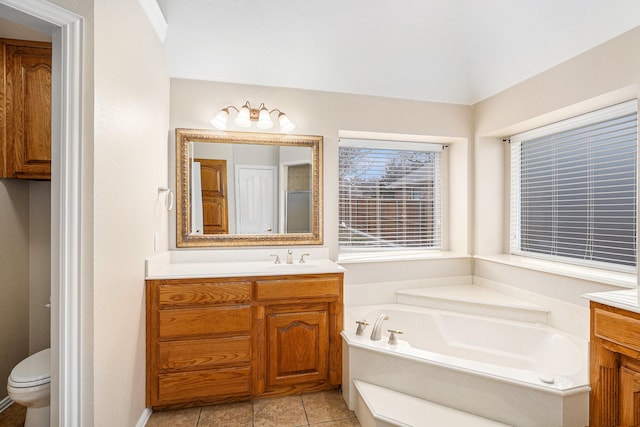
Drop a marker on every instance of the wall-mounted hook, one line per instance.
(169, 200)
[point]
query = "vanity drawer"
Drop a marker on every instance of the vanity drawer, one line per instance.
(194, 385)
(617, 328)
(204, 354)
(205, 321)
(298, 288)
(193, 294)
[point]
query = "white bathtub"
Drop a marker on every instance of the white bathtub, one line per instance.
(518, 373)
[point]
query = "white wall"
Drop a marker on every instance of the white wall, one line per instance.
(131, 109)
(605, 75)
(193, 103)
(125, 91)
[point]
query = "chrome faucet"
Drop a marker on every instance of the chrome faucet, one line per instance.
(393, 340)
(362, 325)
(376, 333)
(302, 261)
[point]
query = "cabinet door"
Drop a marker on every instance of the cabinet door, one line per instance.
(28, 111)
(298, 347)
(213, 176)
(629, 397)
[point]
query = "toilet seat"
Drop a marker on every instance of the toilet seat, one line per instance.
(33, 371)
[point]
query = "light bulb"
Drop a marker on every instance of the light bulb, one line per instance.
(264, 120)
(244, 117)
(286, 125)
(220, 120)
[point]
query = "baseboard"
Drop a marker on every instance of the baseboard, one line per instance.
(5, 403)
(144, 417)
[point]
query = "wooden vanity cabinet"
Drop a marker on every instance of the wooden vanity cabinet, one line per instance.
(228, 339)
(614, 367)
(199, 342)
(25, 109)
(303, 321)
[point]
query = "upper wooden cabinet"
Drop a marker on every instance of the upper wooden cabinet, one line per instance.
(25, 109)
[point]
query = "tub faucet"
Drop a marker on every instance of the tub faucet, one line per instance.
(393, 340)
(362, 324)
(376, 333)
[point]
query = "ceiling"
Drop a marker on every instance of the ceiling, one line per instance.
(454, 51)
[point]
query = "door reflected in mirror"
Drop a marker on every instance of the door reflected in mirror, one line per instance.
(237, 188)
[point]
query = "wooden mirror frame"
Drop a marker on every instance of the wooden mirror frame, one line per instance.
(183, 172)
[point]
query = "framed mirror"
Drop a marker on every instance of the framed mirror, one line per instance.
(247, 189)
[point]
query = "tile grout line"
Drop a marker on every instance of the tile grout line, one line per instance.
(198, 420)
(304, 408)
(253, 417)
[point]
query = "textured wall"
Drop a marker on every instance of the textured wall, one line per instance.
(14, 276)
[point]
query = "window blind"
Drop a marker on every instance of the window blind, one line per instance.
(389, 197)
(573, 191)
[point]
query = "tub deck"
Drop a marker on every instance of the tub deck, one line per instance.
(474, 299)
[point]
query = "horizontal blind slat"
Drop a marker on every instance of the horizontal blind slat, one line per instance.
(388, 198)
(574, 191)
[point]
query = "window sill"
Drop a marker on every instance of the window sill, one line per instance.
(614, 278)
(393, 256)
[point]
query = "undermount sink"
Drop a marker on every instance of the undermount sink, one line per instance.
(283, 266)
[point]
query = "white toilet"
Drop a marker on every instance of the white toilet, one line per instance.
(29, 385)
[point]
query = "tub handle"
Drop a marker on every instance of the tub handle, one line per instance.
(392, 337)
(362, 325)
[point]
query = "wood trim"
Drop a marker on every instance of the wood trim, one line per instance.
(614, 366)
(195, 294)
(186, 386)
(298, 288)
(203, 353)
(617, 328)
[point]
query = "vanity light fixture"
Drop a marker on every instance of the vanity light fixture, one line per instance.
(246, 115)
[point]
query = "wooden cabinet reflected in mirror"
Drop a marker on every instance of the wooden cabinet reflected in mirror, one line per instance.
(248, 189)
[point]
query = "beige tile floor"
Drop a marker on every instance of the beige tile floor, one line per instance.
(13, 416)
(322, 409)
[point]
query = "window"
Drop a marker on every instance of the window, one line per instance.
(573, 190)
(389, 195)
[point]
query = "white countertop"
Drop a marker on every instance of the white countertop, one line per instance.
(173, 265)
(626, 299)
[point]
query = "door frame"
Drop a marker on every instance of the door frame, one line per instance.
(67, 399)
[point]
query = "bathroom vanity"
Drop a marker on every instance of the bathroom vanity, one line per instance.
(615, 359)
(234, 337)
